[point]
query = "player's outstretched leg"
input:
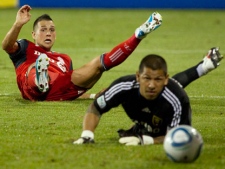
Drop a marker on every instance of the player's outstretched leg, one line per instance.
(117, 55)
(121, 52)
(42, 78)
(210, 62)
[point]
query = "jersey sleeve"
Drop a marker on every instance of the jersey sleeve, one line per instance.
(20, 55)
(114, 95)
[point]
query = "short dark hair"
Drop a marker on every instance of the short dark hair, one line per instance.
(41, 18)
(153, 61)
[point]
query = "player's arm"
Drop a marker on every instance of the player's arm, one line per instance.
(9, 43)
(91, 118)
(90, 122)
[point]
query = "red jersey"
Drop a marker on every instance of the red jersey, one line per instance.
(59, 70)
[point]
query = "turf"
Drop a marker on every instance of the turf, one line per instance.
(38, 135)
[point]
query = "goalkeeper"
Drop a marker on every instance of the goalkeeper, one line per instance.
(152, 100)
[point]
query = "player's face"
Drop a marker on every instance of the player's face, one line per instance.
(44, 34)
(151, 82)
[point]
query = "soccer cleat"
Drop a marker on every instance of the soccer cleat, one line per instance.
(42, 78)
(153, 22)
(212, 59)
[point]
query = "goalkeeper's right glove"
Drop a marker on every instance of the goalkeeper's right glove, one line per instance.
(87, 136)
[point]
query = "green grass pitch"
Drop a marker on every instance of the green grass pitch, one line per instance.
(37, 135)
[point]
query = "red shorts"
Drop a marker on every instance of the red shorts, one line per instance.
(60, 88)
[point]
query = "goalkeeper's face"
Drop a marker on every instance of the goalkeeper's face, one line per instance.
(151, 82)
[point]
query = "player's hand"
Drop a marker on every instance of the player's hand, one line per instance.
(84, 140)
(23, 15)
(131, 140)
(136, 140)
(87, 136)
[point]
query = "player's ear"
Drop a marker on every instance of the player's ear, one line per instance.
(137, 76)
(33, 35)
(167, 79)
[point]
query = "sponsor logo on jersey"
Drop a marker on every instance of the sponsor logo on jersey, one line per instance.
(146, 110)
(37, 53)
(156, 121)
(101, 102)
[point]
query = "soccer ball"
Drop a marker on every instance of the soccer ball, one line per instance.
(183, 144)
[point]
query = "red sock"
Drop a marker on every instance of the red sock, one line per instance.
(119, 53)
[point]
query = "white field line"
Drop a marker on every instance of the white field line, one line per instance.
(7, 94)
(197, 97)
(208, 97)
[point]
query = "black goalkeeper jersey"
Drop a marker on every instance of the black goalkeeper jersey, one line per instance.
(171, 108)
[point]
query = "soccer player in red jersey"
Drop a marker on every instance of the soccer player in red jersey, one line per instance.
(46, 75)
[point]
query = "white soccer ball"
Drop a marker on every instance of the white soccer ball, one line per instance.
(183, 144)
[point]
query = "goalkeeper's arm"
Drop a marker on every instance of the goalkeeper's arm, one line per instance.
(90, 122)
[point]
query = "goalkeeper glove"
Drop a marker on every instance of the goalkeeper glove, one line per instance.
(87, 136)
(136, 140)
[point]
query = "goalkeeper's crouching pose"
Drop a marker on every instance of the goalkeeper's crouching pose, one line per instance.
(152, 100)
